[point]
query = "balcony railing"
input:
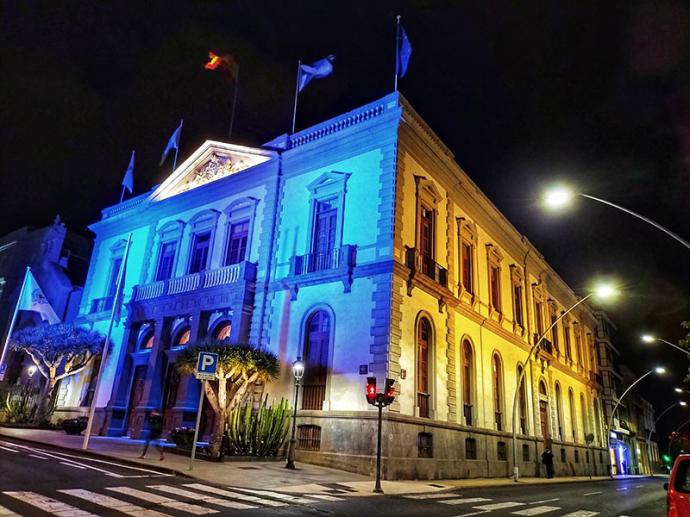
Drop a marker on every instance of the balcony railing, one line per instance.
(343, 257)
(425, 264)
(545, 344)
(204, 279)
(102, 304)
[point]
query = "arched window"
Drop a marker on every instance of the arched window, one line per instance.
(497, 376)
(583, 415)
(573, 414)
(424, 343)
(559, 410)
(522, 402)
(147, 340)
(182, 337)
(317, 341)
(467, 380)
(544, 410)
(222, 331)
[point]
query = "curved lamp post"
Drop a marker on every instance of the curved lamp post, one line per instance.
(648, 338)
(681, 403)
(298, 373)
(659, 370)
(603, 291)
(670, 442)
(560, 197)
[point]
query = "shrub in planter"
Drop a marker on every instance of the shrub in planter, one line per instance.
(183, 437)
(75, 425)
(259, 432)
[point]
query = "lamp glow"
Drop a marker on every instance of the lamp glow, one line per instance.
(683, 403)
(660, 370)
(647, 338)
(31, 370)
(298, 369)
(605, 291)
(558, 197)
(678, 390)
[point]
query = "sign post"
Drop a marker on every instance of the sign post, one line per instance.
(206, 367)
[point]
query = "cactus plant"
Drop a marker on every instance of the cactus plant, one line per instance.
(260, 432)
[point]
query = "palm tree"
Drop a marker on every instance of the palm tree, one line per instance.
(240, 367)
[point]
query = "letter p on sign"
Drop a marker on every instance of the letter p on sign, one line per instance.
(206, 366)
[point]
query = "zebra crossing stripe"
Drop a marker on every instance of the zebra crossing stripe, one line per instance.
(72, 465)
(276, 495)
(325, 497)
(49, 505)
(469, 500)
(498, 506)
(581, 513)
(6, 512)
(112, 503)
(234, 495)
(537, 510)
(163, 501)
(38, 457)
(201, 497)
(7, 449)
(431, 496)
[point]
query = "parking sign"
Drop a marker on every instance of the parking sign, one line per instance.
(206, 366)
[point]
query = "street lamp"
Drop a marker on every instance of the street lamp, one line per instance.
(560, 196)
(31, 370)
(680, 403)
(602, 291)
(648, 338)
(298, 373)
(659, 370)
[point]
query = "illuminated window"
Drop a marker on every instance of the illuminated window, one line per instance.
(494, 267)
(497, 375)
(223, 331)
(183, 337)
(467, 381)
(148, 341)
(423, 355)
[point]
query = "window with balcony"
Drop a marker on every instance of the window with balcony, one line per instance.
(566, 341)
(114, 273)
(166, 260)
(324, 235)
(201, 248)
(554, 329)
(467, 381)
(426, 239)
(539, 317)
(494, 267)
(424, 343)
(516, 281)
(236, 249)
(466, 239)
(202, 231)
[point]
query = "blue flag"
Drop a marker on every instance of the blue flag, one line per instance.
(128, 180)
(404, 52)
(317, 70)
(173, 143)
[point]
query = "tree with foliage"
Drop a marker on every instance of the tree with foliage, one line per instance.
(240, 367)
(58, 351)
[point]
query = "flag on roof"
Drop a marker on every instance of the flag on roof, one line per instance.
(317, 70)
(404, 52)
(33, 299)
(173, 142)
(225, 62)
(128, 180)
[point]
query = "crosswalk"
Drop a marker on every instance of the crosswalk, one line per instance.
(151, 500)
(469, 506)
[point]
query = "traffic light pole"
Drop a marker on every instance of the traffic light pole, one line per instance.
(377, 488)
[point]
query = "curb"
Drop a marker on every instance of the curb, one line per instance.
(88, 453)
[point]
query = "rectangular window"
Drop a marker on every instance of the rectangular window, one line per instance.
(466, 266)
(200, 251)
(323, 238)
(566, 339)
(501, 451)
(517, 303)
(538, 317)
(237, 243)
(554, 331)
(525, 452)
(112, 286)
(470, 449)
(425, 445)
(166, 259)
(495, 287)
(426, 241)
(309, 437)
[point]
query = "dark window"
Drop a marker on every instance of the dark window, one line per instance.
(522, 403)
(525, 452)
(166, 259)
(495, 287)
(554, 331)
(577, 456)
(325, 219)
(587, 456)
(237, 242)
(601, 457)
(425, 445)
(147, 342)
(426, 234)
(517, 301)
(501, 451)
(467, 381)
(309, 437)
(563, 456)
(466, 259)
(566, 339)
(423, 343)
(470, 449)
(316, 360)
(538, 316)
(200, 251)
(114, 273)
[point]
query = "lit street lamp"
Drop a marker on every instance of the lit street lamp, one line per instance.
(658, 370)
(559, 197)
(604, 291)
(298, 373)
(648, 338)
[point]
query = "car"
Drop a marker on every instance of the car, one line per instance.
(678, 488)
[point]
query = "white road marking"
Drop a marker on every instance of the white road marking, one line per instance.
(49, 505)
(200, 497)
(581, 513)
(636, 486)
(498, 506)
(6, 512)
(545, 501)
(234, 495)
(465, 501)
(163, 501)
(431, 496)
(537, 510)
(473, 513)
(38, 457)
(325, 497)
(72, 465)
(621, 489)
(592, 493)
(113, 504)
(276, 495)
(7, 449)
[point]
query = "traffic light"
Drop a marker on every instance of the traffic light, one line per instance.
(389, 391)
(371, 390)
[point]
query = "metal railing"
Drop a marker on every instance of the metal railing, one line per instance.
(315, 262)
(545, 344)
(313, 396)
(102, 304)
(427, 266)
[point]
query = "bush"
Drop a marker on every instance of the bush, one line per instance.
(258, 433)
(21, 404)
(183, 437)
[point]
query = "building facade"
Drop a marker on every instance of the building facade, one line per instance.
(361, 246)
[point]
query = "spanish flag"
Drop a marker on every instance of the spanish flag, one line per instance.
(225, 62)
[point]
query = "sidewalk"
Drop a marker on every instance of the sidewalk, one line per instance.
(306, 478)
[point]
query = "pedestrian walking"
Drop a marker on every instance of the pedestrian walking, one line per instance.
(547, 460)
(155, 421)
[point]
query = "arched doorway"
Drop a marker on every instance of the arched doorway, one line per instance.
(424, 343)
(317, 342)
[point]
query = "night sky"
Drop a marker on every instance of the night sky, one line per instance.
(524, 93)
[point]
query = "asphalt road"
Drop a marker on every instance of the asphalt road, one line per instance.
(37, 480)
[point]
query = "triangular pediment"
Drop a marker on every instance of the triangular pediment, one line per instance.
(211, 162)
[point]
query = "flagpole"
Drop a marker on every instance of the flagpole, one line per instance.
(122, 196)
(104, 355)
(234, 102)
(397, 50)
(294, 111)
(13, 321)
(177, 147)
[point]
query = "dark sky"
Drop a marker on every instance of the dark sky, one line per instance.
(524, 93)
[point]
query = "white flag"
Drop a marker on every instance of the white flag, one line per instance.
(33, 299)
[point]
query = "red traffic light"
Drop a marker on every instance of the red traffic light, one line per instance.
(371, 390)
(389, 391)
